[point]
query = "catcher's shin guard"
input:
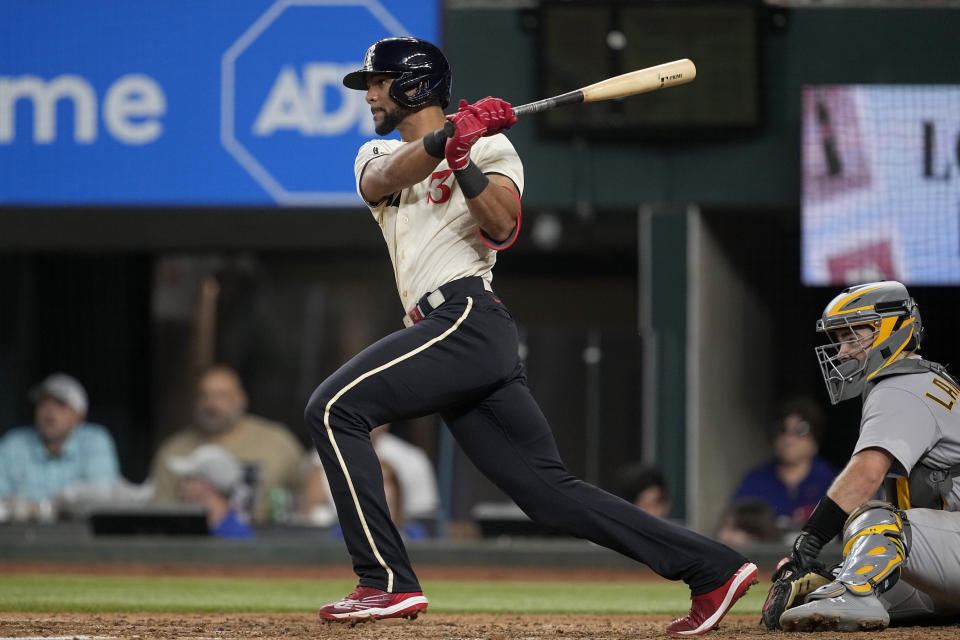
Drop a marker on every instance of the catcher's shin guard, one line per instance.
(875, 544)
(876, 541)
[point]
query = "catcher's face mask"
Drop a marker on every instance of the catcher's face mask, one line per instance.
(843, 361)
(869, 326)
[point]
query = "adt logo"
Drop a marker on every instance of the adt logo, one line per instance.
(285, 115)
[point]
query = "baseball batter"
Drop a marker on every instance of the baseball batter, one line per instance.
(445, 206)
(902, 555)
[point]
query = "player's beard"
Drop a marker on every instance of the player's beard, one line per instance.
(391, 118)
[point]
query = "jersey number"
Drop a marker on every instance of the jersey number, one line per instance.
(439, 192)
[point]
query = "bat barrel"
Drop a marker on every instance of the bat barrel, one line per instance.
(661, 76)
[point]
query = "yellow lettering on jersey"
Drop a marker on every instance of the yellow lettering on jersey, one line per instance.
(952, 393)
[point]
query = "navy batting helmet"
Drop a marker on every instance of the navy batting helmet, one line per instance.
(415, 63)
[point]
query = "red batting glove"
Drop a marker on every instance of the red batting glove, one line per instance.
(469, 129)
(495, 113)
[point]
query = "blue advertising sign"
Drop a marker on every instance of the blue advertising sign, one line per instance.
(199, 102)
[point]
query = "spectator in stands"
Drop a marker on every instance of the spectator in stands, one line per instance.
(797, 477)
(268, 451)
(213, 477)
(646, 487)
(60, 451)
(412, 529)
(748, 521)
(409, 482)
(416, 477)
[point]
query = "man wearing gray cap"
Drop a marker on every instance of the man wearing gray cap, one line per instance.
(59, 451)
(211, 476)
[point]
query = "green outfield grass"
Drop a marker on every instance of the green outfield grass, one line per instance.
(84, 593)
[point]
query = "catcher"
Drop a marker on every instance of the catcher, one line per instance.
(901, 557)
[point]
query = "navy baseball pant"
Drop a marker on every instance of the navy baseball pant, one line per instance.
(461, 360)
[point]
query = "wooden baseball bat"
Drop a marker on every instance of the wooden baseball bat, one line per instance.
(669, 74)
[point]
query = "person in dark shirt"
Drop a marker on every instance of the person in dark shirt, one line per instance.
(797, 477)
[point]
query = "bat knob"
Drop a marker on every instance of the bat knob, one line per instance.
(449, 129)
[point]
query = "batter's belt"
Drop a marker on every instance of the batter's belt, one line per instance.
(474, 285)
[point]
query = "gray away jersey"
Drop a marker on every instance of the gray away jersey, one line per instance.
(916, 418)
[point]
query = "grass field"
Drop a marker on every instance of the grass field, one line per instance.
(86, 593)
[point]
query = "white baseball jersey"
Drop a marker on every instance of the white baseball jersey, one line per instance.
(430, 234)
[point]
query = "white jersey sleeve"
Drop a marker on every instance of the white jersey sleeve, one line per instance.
(898, 420)
(499, 156)
(367, 152)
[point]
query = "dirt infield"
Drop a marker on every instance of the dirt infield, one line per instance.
(304, 626)
(427, 627)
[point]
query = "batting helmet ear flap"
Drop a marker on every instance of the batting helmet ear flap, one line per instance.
(431, 87)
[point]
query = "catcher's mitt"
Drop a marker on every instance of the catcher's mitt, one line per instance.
(790, 586)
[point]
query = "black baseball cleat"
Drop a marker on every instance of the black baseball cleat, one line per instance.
(366, 604)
